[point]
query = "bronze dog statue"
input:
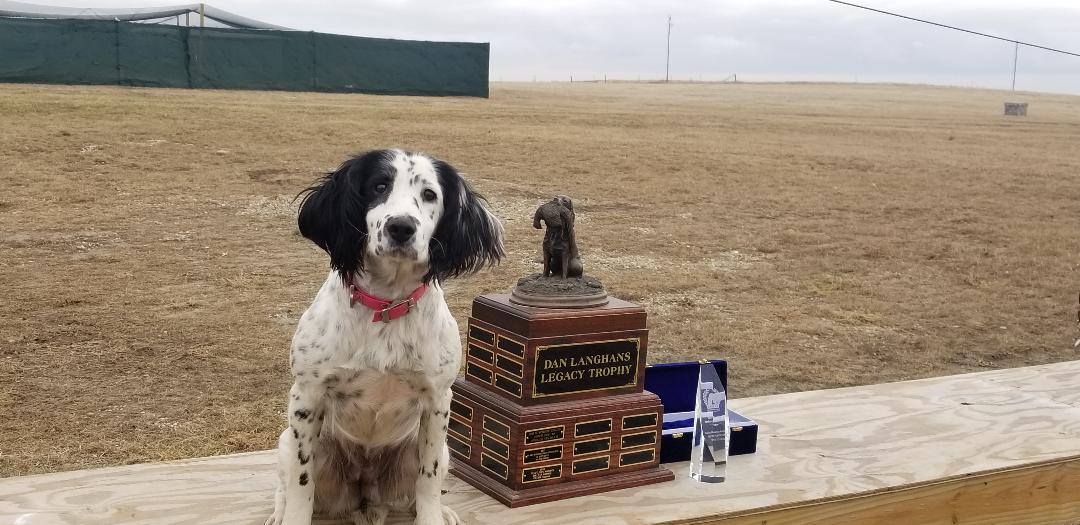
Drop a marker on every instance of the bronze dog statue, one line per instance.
(560, 248)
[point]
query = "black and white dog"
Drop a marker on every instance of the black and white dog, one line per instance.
(374, 356)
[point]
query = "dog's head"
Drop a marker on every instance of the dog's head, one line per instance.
(392, 209)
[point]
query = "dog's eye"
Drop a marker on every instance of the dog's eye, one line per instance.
(429, 195)
(380, 188)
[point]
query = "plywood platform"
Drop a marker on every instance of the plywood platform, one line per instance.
(992, 447)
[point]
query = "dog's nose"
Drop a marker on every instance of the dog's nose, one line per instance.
(401, 229)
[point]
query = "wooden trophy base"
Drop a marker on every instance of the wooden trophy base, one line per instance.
(521, 455)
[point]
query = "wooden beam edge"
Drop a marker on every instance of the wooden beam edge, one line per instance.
(914, 492)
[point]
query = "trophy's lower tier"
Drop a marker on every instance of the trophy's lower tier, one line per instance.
(522, 455)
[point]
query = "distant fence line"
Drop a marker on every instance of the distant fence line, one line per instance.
(132, 54)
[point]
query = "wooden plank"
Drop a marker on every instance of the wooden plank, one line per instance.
(977, 446)
(1036, 495)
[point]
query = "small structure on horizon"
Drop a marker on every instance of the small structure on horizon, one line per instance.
(1016, 109)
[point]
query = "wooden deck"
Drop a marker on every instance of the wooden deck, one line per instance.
(992, 447)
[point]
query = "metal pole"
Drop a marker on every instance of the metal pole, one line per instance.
(202, 15)
(667, 66)
(1016, 55)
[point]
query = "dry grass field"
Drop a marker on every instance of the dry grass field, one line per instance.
(814, 235)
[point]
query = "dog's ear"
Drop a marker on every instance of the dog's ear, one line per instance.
(468, 237)
(332, 214)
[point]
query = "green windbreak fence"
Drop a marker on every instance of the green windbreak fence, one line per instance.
(104, 52)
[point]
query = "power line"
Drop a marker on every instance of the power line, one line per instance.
(1017, 42)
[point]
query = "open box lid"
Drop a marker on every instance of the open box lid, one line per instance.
(676, 384)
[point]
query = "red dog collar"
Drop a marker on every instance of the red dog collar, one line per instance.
(385, 310)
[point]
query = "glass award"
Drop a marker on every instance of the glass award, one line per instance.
(708, 457)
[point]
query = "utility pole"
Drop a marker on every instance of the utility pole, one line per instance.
(1016, 54)
(667, 67)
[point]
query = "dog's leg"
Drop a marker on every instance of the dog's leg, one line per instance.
(565, 263)
(305, 423)
(285, 444)
(547, 262)
(434, 462)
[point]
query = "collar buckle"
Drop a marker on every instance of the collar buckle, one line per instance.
(409, 303)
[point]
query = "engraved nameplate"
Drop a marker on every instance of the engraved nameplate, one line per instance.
(585, 367)
(538, 455)
(543, 434)
(532, 475)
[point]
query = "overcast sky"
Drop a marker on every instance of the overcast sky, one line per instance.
(712, 40)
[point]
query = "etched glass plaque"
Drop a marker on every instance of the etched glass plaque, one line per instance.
(708, 457)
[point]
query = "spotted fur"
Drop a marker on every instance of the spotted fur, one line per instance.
(368, 403)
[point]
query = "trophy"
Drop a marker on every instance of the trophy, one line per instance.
(553, 405)
(709, 449)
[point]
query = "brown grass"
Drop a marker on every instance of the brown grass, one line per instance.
(814, 235)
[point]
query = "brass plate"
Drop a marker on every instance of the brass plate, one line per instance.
(593, 427)
(638, 440)
(592, 446)
(637, 457)
(508, 365)
(540, 435)
(507, 385)
(476, 371)
(497, 428)
(494, 466)
(639, 421)
(541, 454)
(556, 375)
(583, 466)
(462, 429)
(482, 354)
(494, 446)
(511, 346)
(535, 474)
(480, 334)
(461, 409)
(458, 446)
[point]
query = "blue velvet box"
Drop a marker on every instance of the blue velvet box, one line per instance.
(676, 384)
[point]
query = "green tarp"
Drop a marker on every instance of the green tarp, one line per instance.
(104, 52)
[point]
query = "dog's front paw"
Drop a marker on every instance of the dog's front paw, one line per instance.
(449, 516)
(445, 516)
(274, 519)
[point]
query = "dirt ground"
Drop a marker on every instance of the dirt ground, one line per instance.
(814, 235)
